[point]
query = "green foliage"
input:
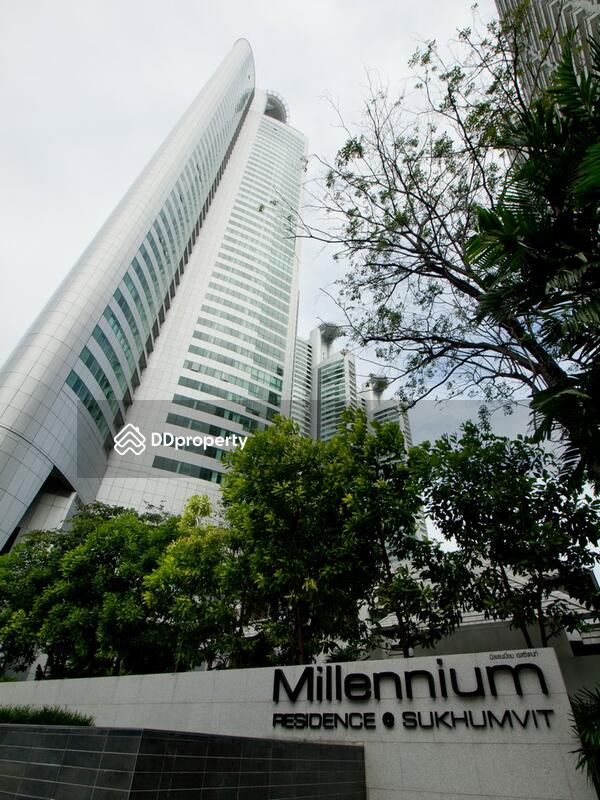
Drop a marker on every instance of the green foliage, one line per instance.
(382, 499)
(320, 546)
(77, 596)
(190, 592)
(46, 715)
(586, 718)
(284, 499)
(323, 528)
(527, 536)
(538, 250)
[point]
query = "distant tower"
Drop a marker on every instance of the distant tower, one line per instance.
(324, 383)
(200, 250)
(302, 386)
(388, 410)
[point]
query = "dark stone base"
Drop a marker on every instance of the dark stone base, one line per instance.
(69, 763)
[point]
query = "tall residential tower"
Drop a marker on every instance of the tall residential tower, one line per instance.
(325, 386)
(179, 318)
(547, 25)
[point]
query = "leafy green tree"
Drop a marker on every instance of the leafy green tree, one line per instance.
(191, 592)
(427, 595)
(327, 531)
(77, 596)
(538, 250)
(412, 577)
(512, 311)
(25, 574)
(307, 579)
(523, 535)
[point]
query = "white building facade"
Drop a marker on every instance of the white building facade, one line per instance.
(548, 23)
(179, 317)
(325, 385)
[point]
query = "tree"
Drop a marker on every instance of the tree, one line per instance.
(412, 578)
(413, 186)
(326, 530)
(525, 540)
(25, 574)
(190, 592)
(306, 578)
(539, 250)
(77, 596)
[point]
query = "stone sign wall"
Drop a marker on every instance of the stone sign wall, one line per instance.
(489, 725)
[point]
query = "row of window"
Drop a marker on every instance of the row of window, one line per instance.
(255, 374)
(262, 225)
(199, 425)
(254, 389)
(281, 204)
(282, 298)
(284, 268)
(89, 402)
(257, 358)
(272, 244)
(264, 249)
(284, 173)
(101, 379)
(272, 189)
(273, 276)
(259, 344)
(268, 237)
(243, 323)
(265, 321)
(250, 296)
(247, 423)
(250, 406)
(191, 470)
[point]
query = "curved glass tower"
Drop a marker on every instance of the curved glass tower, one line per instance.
(179, 319)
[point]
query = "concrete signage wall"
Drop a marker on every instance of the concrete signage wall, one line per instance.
(489, 725)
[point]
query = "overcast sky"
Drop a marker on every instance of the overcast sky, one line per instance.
(90, 88)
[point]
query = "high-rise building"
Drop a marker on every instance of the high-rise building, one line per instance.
(178, 319)
(302, 386)
(548, 22)
(380, 409)
(325, 385)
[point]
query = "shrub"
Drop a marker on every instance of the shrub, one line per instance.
(46, 715)
(586, 719)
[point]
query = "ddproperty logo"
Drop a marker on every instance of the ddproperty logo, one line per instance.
(130, 440)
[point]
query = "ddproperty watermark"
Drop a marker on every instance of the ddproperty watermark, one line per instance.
(167, 439)
(130, 439)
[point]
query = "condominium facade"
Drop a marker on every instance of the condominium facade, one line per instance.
(547, 25)
(179, 319)
(325, 385)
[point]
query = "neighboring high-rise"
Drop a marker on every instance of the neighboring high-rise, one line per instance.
(389, 409)
(548, 22)
(199, 251)
(302, 386)
(325, 385)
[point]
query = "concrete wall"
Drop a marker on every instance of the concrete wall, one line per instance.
(516, 754)
(579, 671)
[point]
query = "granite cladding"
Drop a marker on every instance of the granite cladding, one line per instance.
(73, 763)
